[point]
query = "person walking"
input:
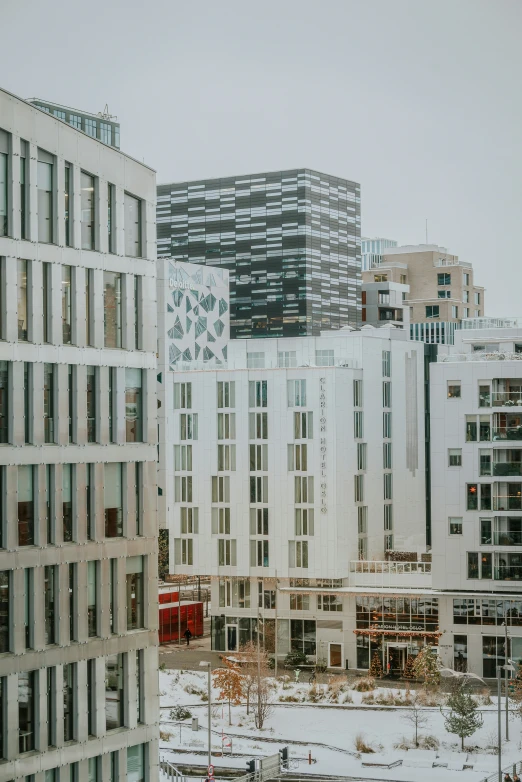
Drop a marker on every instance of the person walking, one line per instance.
(188, 636)
(516, 778)
(508, 778)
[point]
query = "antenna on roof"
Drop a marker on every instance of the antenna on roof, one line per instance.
(105, 113)
(426, 230)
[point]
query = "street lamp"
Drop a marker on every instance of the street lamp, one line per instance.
(208, 665)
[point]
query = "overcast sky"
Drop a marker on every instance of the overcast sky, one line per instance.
(418, 100)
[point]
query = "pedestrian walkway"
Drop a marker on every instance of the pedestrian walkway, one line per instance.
(181, 657)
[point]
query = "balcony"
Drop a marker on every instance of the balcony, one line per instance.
(507, 502)
(508, 567)
(384, 298)
(507, 468)
(507, 432)
(507, 531)
(414, 575)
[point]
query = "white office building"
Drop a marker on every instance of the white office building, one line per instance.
(78, 434)
(285, 464)
(476, 498)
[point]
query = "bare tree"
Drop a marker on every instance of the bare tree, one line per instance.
(416, 716)
(254, 664)
(262, 696)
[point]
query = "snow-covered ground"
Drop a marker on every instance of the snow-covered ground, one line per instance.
(325, 729)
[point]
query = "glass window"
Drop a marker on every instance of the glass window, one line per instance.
(110, 218)
(444, 279)
(50, 603)
(182, 396)
(114, 695)
(91, 404)
(255, 360)
(92, 598)
(23, 192)
(87, 211)
(286, 358)
(137, 312)
(453, 391)
(46, 302)
(134, 579)
(113, 499)
(4, 401)
(22, 295)
(88, 305)
(432, 311)
(455, 526)
(296, 393)
(3, 189)
(69, 697)
(66, 304)
(26, 711)
(25, 505)
(132, 208)
(473, 564)
(133, 405)
(136, 763)
(105, 132)
(455, 457)
(73, 601)
(90, 127)
(472, 496)
(67, 508)
(68, 204)
(4, 612)
(112, 309)
(45, 201)
(49, 403)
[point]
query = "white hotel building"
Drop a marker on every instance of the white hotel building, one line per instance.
(285, 464)
(78, 434)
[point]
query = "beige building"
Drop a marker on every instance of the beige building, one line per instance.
(78, 434)
(442, 288)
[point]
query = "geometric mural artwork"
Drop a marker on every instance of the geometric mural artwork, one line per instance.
(197, 317)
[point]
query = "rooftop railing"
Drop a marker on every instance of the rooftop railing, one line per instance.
(416, 575)
(478, 355)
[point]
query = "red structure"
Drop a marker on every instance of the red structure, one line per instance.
(169, 596)
(191, 616)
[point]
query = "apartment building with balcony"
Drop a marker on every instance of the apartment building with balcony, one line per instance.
(385, 303)
(78, 433)
(442, 289)
(476, 467)
(288, 465)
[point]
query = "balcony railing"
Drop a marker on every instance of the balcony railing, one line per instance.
(508, 573)
(506, 398)
(91, 430)
(384, 298)
(416, 575)
(478, 356)
(507, 538)
(507, 433)
(507, 502)
(507, 468)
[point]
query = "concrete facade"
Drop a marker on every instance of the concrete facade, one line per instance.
(385, 303)
(476, 468)
(78, 550)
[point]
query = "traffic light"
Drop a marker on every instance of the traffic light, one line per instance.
(284, 756)
(251, 766)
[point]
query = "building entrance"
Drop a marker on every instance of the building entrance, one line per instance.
(396, 656)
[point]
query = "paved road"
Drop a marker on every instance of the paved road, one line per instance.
(187, 659)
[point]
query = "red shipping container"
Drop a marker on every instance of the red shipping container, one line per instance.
(169, 596)
(191, 616)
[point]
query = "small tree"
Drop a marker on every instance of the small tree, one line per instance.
(416, 716)
(253, 665)
(163, 553)
(375, 669)
(409, 670)
(262, 697)
(463, 718)
(229, 682)
(427, 666)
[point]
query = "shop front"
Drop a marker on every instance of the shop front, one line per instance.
(396, 628)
